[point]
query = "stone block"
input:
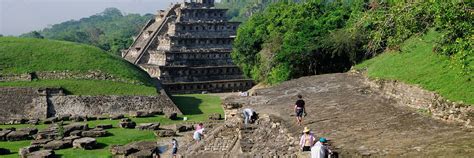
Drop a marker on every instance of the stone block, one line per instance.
(172, 116)
(29, 130)
(105, 126)
(18, 135)
(116, 117)
(215, 116)
(40, 142)
(42, 154)
(165, 133)
(75, 126)
(3, 134)
(122, 150)
(149, 126)
(94, 133)
(77, 118)
(85, 143)
(64, 117)
(57, 144)
(23, 152)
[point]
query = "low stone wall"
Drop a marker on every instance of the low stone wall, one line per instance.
(426, 101)
(61, 75)
(99, 105)
(29, 103)
(21, 103)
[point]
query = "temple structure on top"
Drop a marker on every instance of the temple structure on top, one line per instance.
(188, 48)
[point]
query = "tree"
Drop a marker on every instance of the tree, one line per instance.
(33, 34)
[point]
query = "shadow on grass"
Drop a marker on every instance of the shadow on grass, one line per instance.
(100, 146)
(188, 105)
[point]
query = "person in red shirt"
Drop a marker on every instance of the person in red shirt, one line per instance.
(300, 109)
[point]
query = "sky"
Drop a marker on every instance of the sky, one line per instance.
(22, 16)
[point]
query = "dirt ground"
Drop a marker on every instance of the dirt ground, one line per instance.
(360, 122)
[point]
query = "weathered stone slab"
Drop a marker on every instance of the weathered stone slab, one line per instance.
(18, 135)
(40, 142)
(4, 133)
(215, 116)
(85, 143)
(116, 117)
(149, 126)
(75, 126)
(23, 152)
(57, 144)
(165, 133)
(42, 154)
(94, 133)
(29, 130)
(172, 116)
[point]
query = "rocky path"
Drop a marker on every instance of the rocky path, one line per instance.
(360, 121)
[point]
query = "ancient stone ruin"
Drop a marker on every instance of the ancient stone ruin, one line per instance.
(188, 48)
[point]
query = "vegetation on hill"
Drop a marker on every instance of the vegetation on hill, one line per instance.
(290, 40)
(415, 63)
(110, 30)
(26, 55)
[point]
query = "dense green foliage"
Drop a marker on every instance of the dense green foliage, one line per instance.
(290, 40)
(241, 10)
(26, 55)
(415, 63)
(110, 30)
(195, 107)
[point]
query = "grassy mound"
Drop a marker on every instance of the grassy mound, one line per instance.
(24, 55)
(417, 64)
(195, 107)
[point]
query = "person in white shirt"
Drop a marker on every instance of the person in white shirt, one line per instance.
(249, 115)
(198, 135)
(320, 149)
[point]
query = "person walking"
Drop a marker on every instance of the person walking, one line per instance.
(174, 143)
(249, 115)
(307, 139)
(300, 109)
(320, 149)
(198, 135)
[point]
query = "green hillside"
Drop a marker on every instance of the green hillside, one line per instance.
(417, 64)
(24, 55)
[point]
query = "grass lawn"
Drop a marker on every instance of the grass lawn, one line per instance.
(26, 55)
(417, 64)
(196, 107)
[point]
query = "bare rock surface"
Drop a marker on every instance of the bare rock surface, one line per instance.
(360, 120)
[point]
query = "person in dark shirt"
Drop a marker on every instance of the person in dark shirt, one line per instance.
(300, 110)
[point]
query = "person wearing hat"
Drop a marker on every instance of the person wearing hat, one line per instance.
(307, 139)
(320, 149)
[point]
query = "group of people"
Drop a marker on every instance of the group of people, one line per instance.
(319, 149)
(308, 142)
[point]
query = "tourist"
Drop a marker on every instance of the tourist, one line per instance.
(307, 139)
(174, 143)
(156, 152)
(300, 110)
(199, 126)
(198, 135)
(249, 115)
(320, 149)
